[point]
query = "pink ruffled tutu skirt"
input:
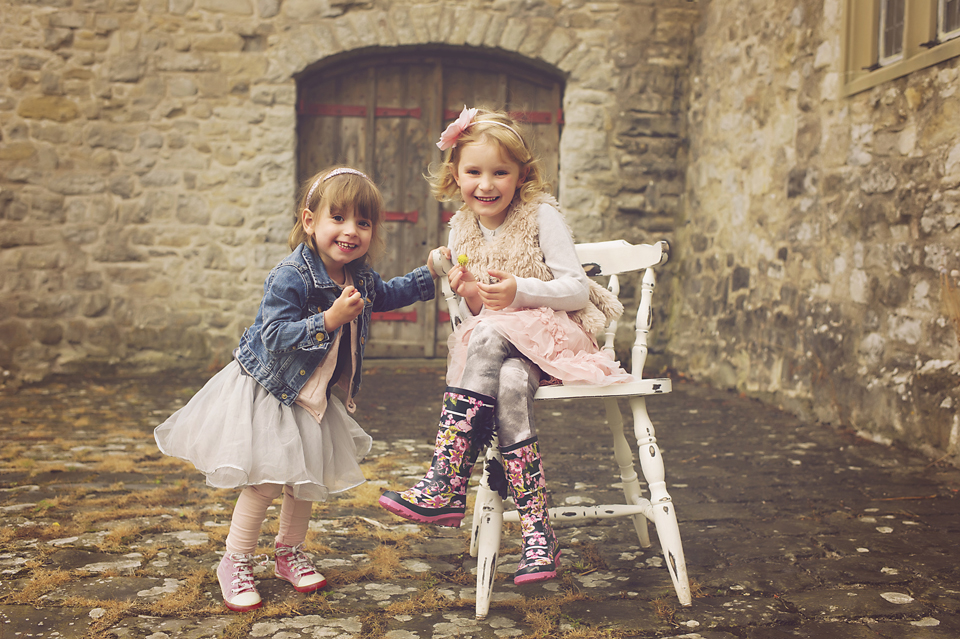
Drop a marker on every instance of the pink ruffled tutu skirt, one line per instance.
(548, 338)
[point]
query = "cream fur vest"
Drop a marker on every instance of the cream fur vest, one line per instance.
(516, 249)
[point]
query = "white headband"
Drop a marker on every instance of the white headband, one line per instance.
(331, 174)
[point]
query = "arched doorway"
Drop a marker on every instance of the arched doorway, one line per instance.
(382, 112)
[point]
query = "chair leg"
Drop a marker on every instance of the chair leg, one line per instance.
(628, 474)
(665, 517)
(485, 540)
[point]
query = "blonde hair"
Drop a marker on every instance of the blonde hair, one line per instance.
(512, 144)
(340, 190)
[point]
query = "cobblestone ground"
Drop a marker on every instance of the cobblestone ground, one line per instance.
(789, 529)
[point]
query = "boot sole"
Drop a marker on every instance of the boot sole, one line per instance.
(534, 577)
(447, 520)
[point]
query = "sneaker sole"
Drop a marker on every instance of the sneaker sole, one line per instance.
(448, 520)
(236, 608)
(310, 588)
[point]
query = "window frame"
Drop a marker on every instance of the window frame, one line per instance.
(923, 46)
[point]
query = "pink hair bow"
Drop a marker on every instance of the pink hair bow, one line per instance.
(450, 135)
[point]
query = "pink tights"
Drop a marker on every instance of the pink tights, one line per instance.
(251, 510)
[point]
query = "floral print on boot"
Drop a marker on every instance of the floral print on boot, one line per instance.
(235, 574)
(466, 427)
(523, 466)
(293, 565)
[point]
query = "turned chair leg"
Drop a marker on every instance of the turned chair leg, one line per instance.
(628, 474)
(664, 515)
(485, 539)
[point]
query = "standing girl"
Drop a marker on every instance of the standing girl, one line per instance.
(267, 422)
(531, 313)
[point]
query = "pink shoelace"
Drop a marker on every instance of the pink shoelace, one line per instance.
(242, 576)
(297, 560)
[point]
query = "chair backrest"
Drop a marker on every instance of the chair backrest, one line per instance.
(603, 259)
(619, 256)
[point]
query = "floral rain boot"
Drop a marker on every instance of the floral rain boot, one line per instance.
(541, 552)
(235, 574)
(293, 565)
(466, 427)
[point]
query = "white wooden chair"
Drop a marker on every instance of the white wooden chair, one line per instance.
(607, 259)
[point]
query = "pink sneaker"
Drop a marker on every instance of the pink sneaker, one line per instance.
(235, 574)
(294, 566)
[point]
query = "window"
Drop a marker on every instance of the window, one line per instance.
(949, 19)
(887, 39)
(891, 31)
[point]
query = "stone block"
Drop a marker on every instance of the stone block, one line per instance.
(125, 185)
(166, 60)
(114, 250)
(344, 34)
(227, 215)
(218, 42)
(310, 10)
(160, 178)
(17, 151)
(69, 19)
(268, 8)
(50, 107)
(90, 41)
(364, 29)
(47, 333)
(14, 236)
(538, 31)
(233, 7)
(111, 136)
(495, 29)
(192, 209)
(558, 43)
(54, 39)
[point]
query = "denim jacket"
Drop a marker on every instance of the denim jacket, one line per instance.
(288, 340)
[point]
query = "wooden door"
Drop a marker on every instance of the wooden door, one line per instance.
(383, 115)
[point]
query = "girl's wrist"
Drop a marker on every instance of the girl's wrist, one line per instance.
(329, 323)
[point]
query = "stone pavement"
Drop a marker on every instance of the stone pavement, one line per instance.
(789, 529)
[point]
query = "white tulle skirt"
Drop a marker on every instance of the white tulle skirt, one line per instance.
(548, 338)
(238, 434)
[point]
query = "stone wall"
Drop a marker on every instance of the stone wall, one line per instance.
(821, 233)
(147, 151)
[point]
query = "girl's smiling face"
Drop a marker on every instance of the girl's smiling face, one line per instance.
(339, 237)
(487, 181)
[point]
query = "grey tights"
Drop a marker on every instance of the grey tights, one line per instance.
(496, 368)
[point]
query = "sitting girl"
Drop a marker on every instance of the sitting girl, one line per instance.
(531, 313)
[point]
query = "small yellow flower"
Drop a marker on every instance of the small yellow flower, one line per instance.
(462, 259)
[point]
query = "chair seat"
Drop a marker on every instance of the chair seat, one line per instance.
(651, 386)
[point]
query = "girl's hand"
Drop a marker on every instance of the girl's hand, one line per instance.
(344, 310)
(500, 295)
(433, 267)
(463, 284)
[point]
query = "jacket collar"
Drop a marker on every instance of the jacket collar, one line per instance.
(318, 272)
